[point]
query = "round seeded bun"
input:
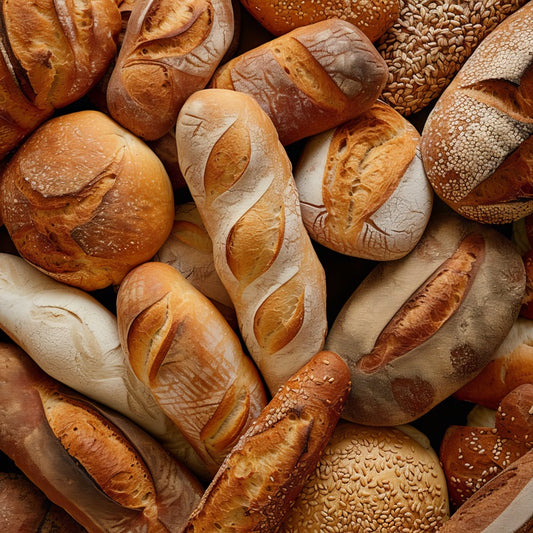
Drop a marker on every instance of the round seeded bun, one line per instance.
(373, 479)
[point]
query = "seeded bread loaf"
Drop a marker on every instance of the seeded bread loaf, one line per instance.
(477, 141)
(100, 467)
(241, 181)
(362, 186)
(309, 80)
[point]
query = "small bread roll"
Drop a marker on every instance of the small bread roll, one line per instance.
(363, 189)
(372, 479)
(180, 346)
(85, 201)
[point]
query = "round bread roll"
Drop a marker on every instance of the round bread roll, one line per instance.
(477, 142)
(419, 328)
(362, 186)
(85, 201)
(372, 479)
(278, 17)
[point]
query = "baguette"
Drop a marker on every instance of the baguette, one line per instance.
(180, 346)
(259, 480)
(240, 178)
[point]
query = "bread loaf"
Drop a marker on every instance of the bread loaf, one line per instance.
(417, 329)
(85, 201)
(180, 346)
(70, 48)
(362, 186)
(101, 468)
(476, 144)
(323, 74)
(260, 478)
(279, 17)
(170, 50)
(75, 339)
(240, 178)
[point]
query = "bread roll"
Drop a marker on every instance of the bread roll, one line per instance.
(371, 479)
(429, 42)
(476, 144)
(75, 339)
(181, 347)
(241, 181)
(170, 50)
(362, 186)
(510, 366)
(70, 48)
(417, 329)
(260, 478)
(101, 468)
(85, 201)
(279, 17)
(323, 74)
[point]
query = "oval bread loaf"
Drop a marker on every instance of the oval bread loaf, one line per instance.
(323, 74)
(362, 186)
(417, 329)
(240, 178)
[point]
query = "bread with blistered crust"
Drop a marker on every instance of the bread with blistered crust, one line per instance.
(241, 180)
(183, 350)
(477, 144)
(259, 480)
(309, 80)
(106, 472)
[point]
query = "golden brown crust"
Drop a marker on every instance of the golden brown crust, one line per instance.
(259, 480)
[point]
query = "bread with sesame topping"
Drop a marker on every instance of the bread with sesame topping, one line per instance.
(477, 142)
(259, 480)
(106, 472)
(310, 79)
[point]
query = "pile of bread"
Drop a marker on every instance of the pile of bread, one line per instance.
(266, 266)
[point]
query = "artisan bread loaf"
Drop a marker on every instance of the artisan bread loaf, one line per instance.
(362, 186)
(323, 74)
(75, 339)
(279, 17)
(417, 329)
(170, 50)
(85, 201)
(241, 181)
(106, 472)
(182, 348)
(369, 479)
(476, 144)
(70, 48)
(259, 480)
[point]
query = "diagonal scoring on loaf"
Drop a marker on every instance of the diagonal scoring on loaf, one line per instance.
(430, 306)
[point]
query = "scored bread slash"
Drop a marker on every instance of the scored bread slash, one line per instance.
(260, 479)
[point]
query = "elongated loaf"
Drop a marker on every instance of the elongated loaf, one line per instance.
(96, 464)
(170, 50)
(259, 480)
(309, 80)
(182, 348)
(240, 178)
(74, 339)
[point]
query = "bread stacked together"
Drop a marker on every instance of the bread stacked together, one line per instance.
(257, 265)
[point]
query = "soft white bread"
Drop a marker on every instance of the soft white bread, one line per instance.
(182, 348)
(106, 472)
(363, 189)
(477, 142)
(310, 79)
(75, 339)
(170, 50)
(370, 479)
(413, 332)
(259, 480)
(85, 201)
(241, 180)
